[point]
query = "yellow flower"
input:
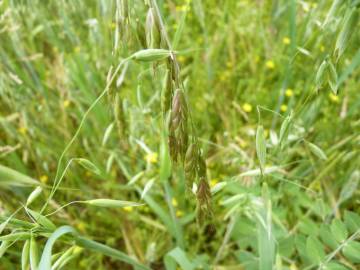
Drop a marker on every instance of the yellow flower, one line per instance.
(247, 107)
(179, 213)
(270, 64)
(283, 108)
(334, 98)
(81, 226)
(151, 157)
(181, 58)
(213, 182)
(174, 202)
(22, 130)
(243, 144)
(289, 92)
(44, 178)
(66, 103)
(128, 208)
(286, 40)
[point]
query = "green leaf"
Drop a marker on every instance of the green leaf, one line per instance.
(34, 254)
(45, 261)
(25, 255)
(314, 250)
(108, 251)
(334, 266)
(339, 230)
(179, 256)
(349, 187)
(3, 247)
(352, 221)
(266, 239)
(327, 237)
(352, 251)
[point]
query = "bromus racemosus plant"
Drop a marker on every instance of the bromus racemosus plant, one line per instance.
(129, 130)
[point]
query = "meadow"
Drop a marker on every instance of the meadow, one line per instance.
(168, 134)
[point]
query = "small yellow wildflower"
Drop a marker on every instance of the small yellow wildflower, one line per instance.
(151, 157)
(247, 107)
(289, 92)
(213, 182)
(181, 58)
(283, 108)
(270, 64)
(174, 202)
(243, 144)
(81, 226)
(77, 49)
(22, 130)
(286, 40)
(334, 98)
(128, 208)
(44, 178)
(66, 103)
(179, 213)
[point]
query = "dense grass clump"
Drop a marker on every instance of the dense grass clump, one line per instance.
(179, 134)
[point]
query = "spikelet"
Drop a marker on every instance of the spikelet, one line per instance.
(152, 30)
(178, 126)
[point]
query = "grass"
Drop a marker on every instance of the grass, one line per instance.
(259, 100)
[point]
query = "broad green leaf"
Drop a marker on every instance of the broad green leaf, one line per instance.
(327, 237)
(335, 266)
(352, 221)
(352, 251)
(314, 250)
(339, 230)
